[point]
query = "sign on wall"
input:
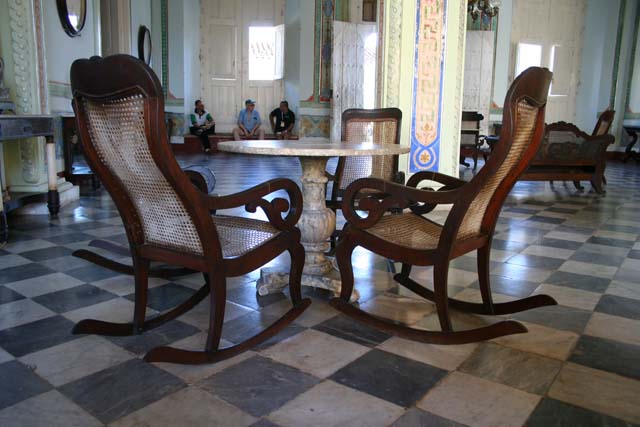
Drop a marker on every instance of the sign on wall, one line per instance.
(427, 85)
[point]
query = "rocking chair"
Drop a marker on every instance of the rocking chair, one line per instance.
(414, 240)
(119, 106)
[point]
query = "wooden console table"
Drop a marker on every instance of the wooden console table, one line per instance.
(27, 126)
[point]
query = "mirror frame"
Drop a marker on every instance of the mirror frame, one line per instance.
(144, 34)
(63, 14)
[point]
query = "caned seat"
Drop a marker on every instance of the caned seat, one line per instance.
(412, 239)
(119, 105)
(376, 126)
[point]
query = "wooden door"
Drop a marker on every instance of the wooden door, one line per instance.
(224, 58)
(556, 27)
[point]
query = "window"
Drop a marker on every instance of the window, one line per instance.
(528, 55)
(266, 53)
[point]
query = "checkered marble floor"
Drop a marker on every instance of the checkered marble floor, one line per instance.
(579, 365)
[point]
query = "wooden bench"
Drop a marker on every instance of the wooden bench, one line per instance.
(192, 143)
(568, 154)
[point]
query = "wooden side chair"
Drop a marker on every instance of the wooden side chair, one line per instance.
(378, 126)
(119, 106)
(414, 240)
(471, 140)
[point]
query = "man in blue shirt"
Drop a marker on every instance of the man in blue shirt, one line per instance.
(249, 123)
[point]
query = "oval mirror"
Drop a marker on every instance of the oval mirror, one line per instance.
(144, 44)
(72, 15)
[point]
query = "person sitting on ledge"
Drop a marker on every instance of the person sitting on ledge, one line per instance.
(249, 122)
(282, 120)
(202, 125)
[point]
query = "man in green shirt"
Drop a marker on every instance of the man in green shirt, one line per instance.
(202, 125)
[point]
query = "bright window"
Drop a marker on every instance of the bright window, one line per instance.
(529, 55)
(266, 53)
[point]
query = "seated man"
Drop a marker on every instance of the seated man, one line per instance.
(282, 120)
(249, 122)
(202, 125)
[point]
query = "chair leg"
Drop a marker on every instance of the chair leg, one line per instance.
(484, 258)
(440, 283)
(218, 299)
(141, 275)
(296, 252)
(604, 180)
(344, 251)
(578, 186)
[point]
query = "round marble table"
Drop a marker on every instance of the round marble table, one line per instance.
(317, 222)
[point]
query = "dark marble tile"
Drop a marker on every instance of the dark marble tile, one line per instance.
(348, 329)
(246, 326)
(534, 261)
(508, 286)
(91, 273)
(557, 317)
(579, 281)
(607, 355)
(38, 335)
(70, 238)
(621, 228)
(469, 264)
(523, 210)
(610, 242)
(559, 243)
(518, 369)
(87, 225)
(64, 263)
(163, 335)
(9, 295)
(289, 331)
(23, 272)
(258, 385)
(577, 230)
(3, 252)
(595, 258)
(415, 417)
(390, 377)
(619, 306)
(248, 296)
(264, 423)
(47, 253)
(19, 383)
(115, 392)
(634, 254)
(553, 413)
(546, 219)
(167, 296)
(562, 210)
(508, 245)
(73, 298)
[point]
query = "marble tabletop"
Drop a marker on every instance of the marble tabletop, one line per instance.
(310, 148)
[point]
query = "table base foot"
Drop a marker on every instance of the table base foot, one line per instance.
(273, 280)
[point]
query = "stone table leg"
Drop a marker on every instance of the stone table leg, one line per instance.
(317, 223)
(53, 198)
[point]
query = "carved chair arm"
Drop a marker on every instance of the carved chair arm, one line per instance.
(388, 196)
(252, 199)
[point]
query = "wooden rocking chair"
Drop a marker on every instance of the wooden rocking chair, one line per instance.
(414, 240)
(119, 106)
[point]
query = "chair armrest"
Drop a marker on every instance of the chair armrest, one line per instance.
(399, 178)
(388, 196)
(447, 180)
(252, 199)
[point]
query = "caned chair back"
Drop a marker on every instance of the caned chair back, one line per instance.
(377, 126)
(522, 131)
(604, 123)
(119, 108)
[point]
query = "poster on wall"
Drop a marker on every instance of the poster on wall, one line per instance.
(428, 80)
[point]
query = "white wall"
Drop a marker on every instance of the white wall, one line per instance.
(307, 39)
(502, 53)
(140, 15)
(61, 50)
(292, 54)
(191, 16)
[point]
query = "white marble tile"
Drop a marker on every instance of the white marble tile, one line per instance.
(402, 309)
(632, 264)
(624, 289)
(28, 245)
(194, 373)
(598, 391)
(113, 310)
(315, 352)
(570, 297)
(23, 311)
(50, 409)
(614, 328)
(124, 285)
(75, 359)
(578, 267)
(4, 356)
(478, 402)
(616, 235)
(332, 405)
(548, 252)
(199, 315)
(44, 284)
(575, 237)
(541, 340)
(187, 407)
(447, 357)
(12, 260)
